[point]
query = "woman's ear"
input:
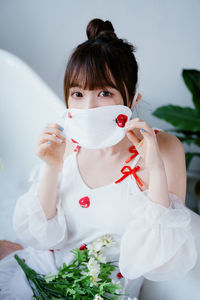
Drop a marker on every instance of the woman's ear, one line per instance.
(139, 96)
(138, 99)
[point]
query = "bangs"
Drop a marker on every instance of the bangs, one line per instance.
(90, 72)
(97, 65)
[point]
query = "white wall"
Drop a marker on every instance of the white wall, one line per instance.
(43, 33)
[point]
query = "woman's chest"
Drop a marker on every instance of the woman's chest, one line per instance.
(102, 173)
(105, 208)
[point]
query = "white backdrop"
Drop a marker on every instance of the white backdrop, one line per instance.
(43, 33)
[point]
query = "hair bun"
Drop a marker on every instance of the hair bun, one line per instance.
(99, 28)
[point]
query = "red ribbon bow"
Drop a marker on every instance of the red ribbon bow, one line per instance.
(131, 150)
(129, 172)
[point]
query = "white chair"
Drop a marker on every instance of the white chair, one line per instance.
(27, 104)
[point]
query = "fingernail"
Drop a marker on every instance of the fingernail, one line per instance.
(61, 128)
(59, 140)
(48, 142)
(142, 129)
(62, 134)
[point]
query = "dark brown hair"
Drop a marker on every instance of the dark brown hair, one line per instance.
(102, 60)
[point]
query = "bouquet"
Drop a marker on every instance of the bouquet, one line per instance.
(86, 277)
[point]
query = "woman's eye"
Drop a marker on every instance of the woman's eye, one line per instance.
(75, 93)
(106, 93)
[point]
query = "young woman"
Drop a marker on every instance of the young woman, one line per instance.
(106, 173)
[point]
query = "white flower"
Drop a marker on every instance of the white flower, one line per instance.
(107, 240)
(104, 241)
(93, 266)
(97, 297)
(94, 270)
(94, 247)
(101, 258)
(94, 280)
(96, 257)
(117, 282)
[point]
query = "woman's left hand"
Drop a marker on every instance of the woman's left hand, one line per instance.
(147, 147)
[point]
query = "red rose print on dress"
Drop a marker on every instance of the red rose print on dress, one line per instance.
(119, 275)
(85, 202)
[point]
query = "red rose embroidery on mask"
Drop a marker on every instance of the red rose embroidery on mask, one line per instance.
(121, 120)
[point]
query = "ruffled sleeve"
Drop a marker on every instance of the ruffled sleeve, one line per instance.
(30, 222)
(158, 242)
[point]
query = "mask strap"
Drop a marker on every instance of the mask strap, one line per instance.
(134, 100)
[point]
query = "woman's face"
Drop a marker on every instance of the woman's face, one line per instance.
(84, 99)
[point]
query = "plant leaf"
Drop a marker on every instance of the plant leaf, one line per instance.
(189, 156)
(192, 80)
(184, 118)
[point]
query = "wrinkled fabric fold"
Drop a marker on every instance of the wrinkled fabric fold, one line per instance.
(29, 220)
(158, 242)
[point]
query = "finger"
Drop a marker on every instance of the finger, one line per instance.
(50, 137)
(147, 135)
(132, 137)
(53, 130)
(54, 125)
(138, 123)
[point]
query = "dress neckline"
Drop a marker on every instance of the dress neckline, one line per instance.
(104, 187)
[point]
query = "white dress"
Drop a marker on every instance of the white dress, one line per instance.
(153, 241)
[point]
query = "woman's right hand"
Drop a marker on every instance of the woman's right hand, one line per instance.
(52, 153)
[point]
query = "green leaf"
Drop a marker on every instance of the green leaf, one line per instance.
(184, 118)
(189, 156)
(49, 277)
(69, 283)
(192, 81)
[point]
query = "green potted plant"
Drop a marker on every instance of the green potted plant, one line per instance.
(186, 120)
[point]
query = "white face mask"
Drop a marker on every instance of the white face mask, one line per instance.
(96, 128)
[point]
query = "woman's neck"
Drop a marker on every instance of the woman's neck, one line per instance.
(113, 152)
